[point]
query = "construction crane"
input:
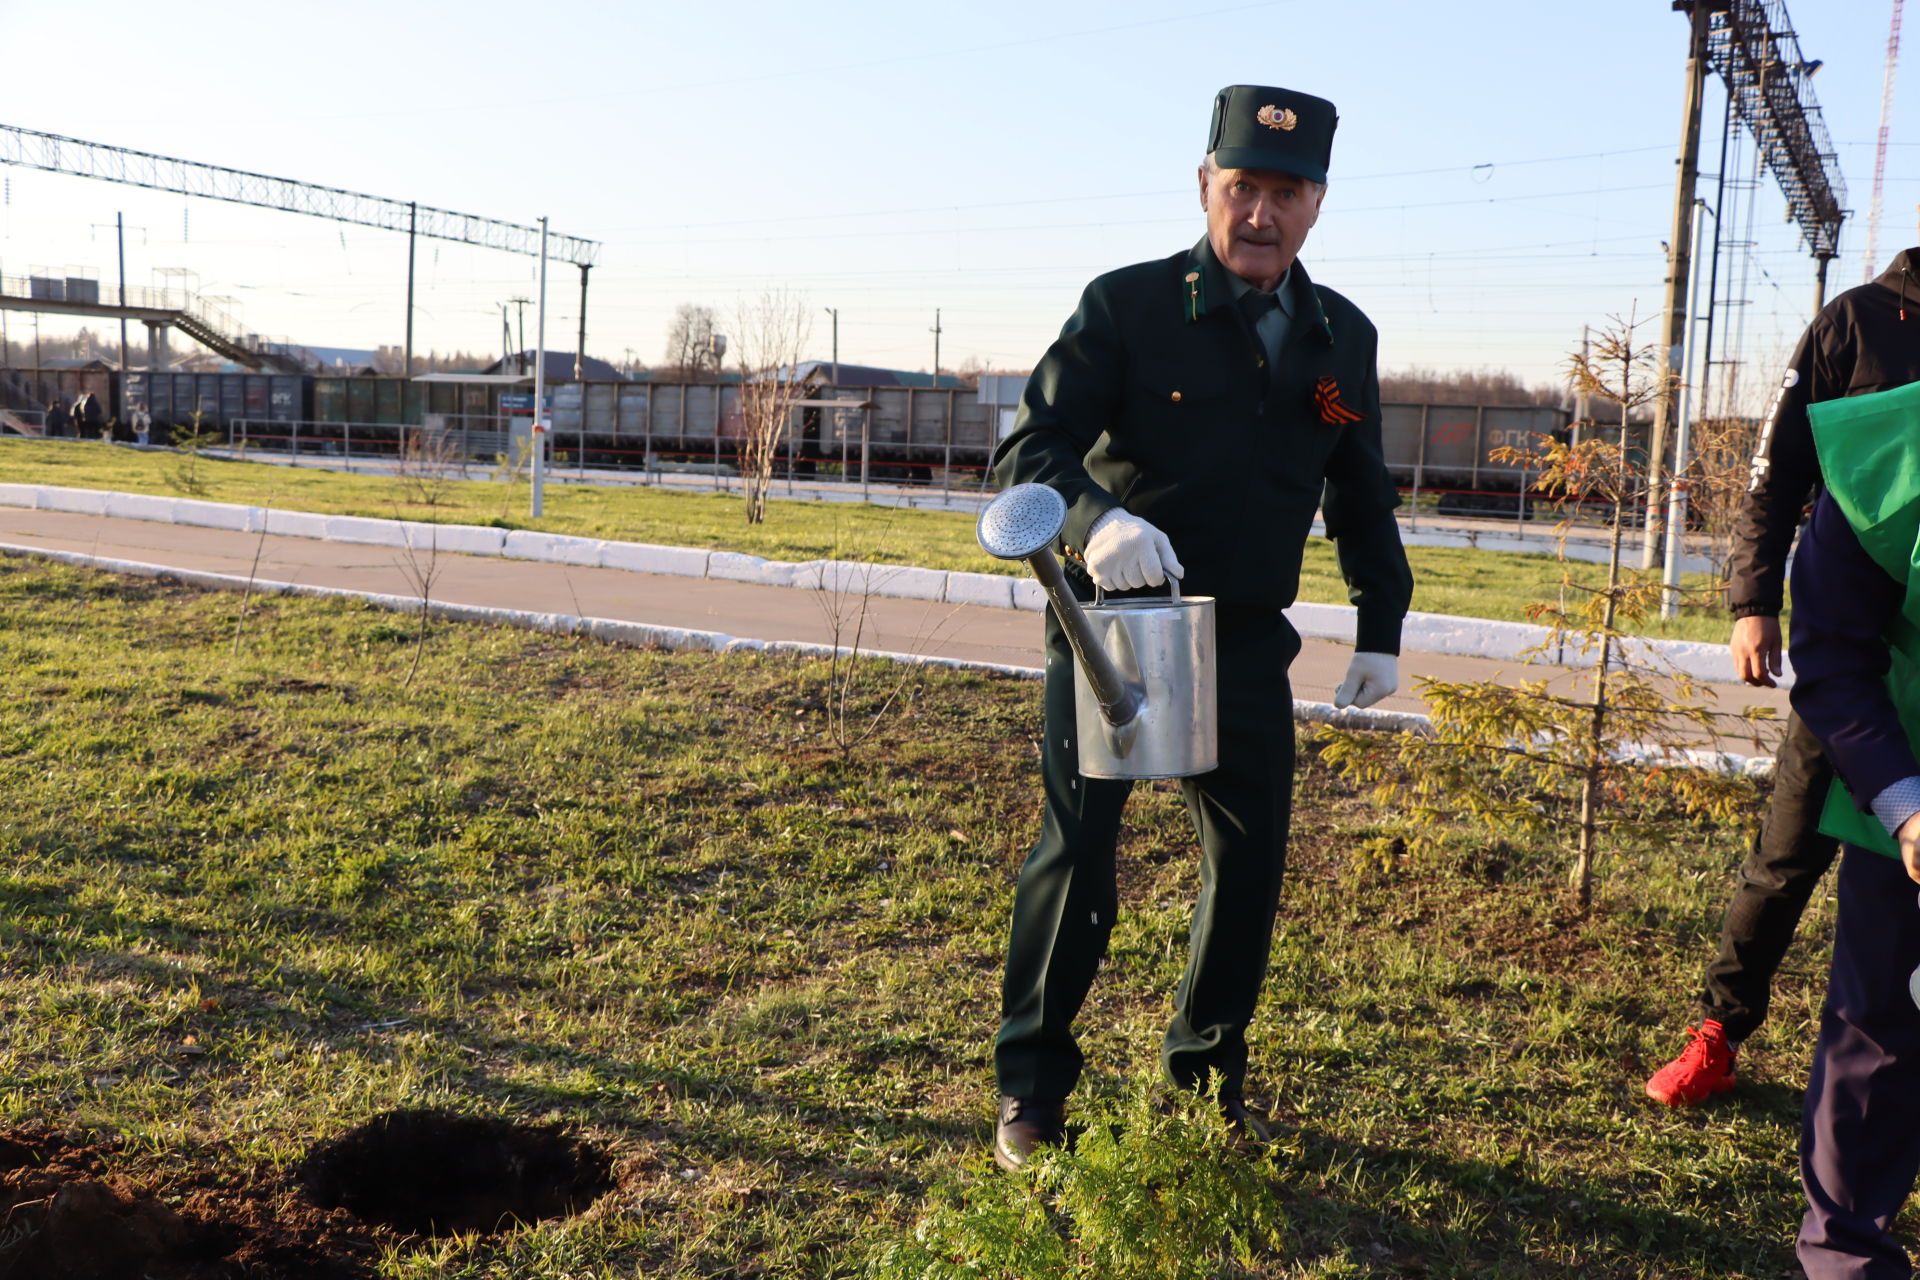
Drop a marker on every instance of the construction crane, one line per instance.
(1880, 151)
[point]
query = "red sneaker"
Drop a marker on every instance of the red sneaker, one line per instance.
(1704, 1068)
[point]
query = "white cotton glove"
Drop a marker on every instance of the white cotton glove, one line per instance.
(1370, 677)
(1125, 552)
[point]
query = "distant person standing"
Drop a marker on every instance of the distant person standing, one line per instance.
(142, 423)
(93, 415)
(58, 418)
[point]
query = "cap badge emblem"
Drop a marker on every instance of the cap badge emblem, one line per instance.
(1277, 117)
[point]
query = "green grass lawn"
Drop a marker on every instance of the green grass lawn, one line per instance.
(1470, 583)
(256, 893)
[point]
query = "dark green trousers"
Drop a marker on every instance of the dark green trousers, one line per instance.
(1064, 903)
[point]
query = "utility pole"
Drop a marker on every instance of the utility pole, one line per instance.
(936, 348)
(1820, 281)
(119, 407)
(1679, 267)
(1582, 405)
(1677, 499)
(1700, 400)
(120, 238)
(413, 225)
(580, 373)
(520, 313)
(580, 348)
(835, 313)
(540, 384)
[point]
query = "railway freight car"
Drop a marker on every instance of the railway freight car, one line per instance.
(219, 401)
(893, 432)
(885, 433)
(1446, 450)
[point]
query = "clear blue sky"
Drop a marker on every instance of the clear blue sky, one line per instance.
(1503, 172)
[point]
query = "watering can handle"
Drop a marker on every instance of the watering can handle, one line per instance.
(1173, 588)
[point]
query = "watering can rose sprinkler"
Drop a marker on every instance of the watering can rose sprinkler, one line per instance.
(1145, 701)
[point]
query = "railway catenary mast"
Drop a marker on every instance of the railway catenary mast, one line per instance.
(1752, 47)
(30, 149)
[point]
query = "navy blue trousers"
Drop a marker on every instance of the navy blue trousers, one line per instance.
(1860, 1132)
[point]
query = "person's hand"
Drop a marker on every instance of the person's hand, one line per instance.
(1370, 677)
(1909, 839)
(1755, 645)
(1125, 552)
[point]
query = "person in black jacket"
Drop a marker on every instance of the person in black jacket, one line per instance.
(1867, 339)
(92, 415)
(1195, 412)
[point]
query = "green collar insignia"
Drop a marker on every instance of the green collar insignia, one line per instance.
(1205, 285)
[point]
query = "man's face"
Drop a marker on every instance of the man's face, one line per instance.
(1257, 219)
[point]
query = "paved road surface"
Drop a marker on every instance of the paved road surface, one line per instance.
(738, 609)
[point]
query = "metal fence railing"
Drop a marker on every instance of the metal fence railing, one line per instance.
(845, 466)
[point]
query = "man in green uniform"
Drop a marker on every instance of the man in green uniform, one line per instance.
(1195, 412)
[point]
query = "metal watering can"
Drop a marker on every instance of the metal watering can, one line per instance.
(1144, 694)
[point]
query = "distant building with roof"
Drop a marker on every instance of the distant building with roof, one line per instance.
(559, 367)
(348, 360)
(820, 373)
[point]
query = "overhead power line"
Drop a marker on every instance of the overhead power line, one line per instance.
(33, 150)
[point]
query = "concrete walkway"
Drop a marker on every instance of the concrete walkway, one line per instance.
(969, 633)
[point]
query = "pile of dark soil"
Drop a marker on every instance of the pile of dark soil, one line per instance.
(65, 1214)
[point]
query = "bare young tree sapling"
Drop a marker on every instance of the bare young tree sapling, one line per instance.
(772, 333)
(1610, 753)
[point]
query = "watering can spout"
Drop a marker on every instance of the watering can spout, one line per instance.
(1021, 524)
(1143, 691)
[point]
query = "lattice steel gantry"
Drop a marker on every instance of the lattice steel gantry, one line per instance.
(1751, 45)
(34, 150)
(1753, 49)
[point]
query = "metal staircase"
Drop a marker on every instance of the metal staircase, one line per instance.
(192, 314)
(197, 328)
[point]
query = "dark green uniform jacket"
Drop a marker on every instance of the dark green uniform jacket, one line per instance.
(1157, 397)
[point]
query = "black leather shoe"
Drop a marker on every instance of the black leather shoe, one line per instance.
(1245, 1122)
(1026, 1123)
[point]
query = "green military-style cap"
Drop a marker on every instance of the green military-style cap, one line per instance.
(1256, 127)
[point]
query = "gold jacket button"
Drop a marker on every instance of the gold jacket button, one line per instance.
(1176, 397)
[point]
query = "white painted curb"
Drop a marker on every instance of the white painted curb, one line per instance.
(647, 635)
(1421, 633)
